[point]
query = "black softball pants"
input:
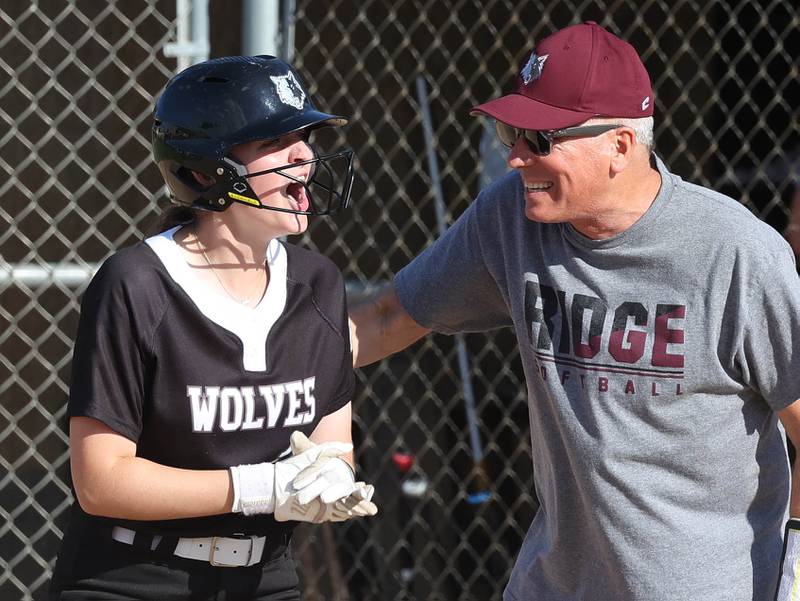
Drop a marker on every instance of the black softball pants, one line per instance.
(93, 566)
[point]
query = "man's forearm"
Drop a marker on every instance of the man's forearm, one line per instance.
(380, 326)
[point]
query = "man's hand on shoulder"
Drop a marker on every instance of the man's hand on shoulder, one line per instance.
(380, 326)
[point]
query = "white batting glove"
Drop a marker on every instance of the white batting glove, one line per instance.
(265, 487)
(789, 577)
(328, 492)
(357, 504)
(328, 479)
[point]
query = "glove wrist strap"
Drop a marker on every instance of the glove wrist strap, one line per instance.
(253, 488)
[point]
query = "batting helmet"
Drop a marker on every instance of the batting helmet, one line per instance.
(212, 106)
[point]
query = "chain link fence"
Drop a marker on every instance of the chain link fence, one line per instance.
(79, 81)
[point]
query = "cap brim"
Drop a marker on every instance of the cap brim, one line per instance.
(525, 113)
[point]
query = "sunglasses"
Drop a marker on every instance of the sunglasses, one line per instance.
(540, 142)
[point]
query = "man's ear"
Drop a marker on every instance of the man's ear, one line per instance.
(624, 146)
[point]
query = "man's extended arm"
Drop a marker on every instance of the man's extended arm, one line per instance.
(380, 326)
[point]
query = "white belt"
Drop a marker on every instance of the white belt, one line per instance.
(216, 550)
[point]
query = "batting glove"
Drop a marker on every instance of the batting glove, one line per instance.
(266, 487)
(357, 504)
(327, 491)
(330, 480)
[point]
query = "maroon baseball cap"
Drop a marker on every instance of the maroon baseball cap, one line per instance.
(577, 73)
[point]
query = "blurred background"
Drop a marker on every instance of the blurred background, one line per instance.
(79, 80)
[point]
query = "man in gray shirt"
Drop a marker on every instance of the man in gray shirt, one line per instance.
(659, 329)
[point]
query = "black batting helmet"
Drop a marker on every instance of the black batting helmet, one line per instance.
(210, 107)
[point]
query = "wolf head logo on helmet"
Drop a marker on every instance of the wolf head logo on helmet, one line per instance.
(244, 98)
(289, 90)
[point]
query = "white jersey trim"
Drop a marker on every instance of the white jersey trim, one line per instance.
(250, 325)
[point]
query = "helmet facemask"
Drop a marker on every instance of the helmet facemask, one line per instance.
(327, 186)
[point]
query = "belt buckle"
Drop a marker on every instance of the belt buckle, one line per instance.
(212, 559)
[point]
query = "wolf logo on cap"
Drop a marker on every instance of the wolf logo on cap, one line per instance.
(533, 68)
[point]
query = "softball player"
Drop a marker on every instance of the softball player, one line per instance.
(202, 351)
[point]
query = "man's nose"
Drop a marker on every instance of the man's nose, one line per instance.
(520, 155)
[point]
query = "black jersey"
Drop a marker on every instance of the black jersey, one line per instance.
(199, 381)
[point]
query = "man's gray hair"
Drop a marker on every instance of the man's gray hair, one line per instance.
(642, 127)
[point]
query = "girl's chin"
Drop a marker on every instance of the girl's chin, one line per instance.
(300, 224)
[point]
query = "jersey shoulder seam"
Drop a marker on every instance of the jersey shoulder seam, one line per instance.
(316, 261)
(316, 305)
(168, 307)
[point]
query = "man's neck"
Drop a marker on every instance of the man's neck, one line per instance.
(623, 205)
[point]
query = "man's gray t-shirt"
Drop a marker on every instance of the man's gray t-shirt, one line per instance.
(655, 361)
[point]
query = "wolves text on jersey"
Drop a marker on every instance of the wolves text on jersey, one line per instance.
(232, 408)
(630, 342)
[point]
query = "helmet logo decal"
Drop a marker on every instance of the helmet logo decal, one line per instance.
(289, 90)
